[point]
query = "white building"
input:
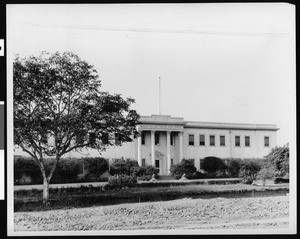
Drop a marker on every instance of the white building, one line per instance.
(165, 140)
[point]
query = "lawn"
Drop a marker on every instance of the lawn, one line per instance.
(31, 200)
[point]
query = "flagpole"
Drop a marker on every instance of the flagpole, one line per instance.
(159, 87)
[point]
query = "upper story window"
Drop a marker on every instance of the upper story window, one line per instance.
(267, 141)
(191, 139)
(237, 141)
(156, 138)
(143, 139)
(247, 141)
(222, 140)
(212, 140)
(202, 140)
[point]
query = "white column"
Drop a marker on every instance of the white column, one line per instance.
(168, 152)
(153, 147)
(139, 149)
(180, 146)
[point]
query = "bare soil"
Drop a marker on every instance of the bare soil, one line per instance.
(252, 212)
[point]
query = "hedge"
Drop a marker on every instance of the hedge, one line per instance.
(27, 171)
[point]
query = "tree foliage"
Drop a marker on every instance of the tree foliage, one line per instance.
(279, 158)
(213, 164)
(184, 167)
(58, 107)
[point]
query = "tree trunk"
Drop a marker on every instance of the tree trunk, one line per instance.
(46, 193)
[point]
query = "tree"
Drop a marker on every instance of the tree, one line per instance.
(279, 158)
(266, 172)
(58, 108)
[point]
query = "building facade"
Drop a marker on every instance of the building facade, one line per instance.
(166, 140)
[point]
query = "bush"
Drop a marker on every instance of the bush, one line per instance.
(66, 170)
(197, 175)
(121, 166)
(185, 166)
(26, 170)
(234, 166)
(279, 158)
(267, 172)
(96, 166)
(281, 180)
(213, 164)
(145, 173)
(249, 171)
(120, 181)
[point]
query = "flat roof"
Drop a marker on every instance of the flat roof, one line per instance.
(168, 120)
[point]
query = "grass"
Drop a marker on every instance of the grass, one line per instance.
(31, 200)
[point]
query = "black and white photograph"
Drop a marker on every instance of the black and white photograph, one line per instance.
(151, 119)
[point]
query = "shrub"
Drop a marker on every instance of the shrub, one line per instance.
(279, 158)
(267, 172)
(96, 166)
(185, 166)
(120, 181)
(121, 166)
(234, 166)
(281, 180)
(145, 172)
(249, 171)
(213, 164)
(26, 170)
(66, 170)
(197, 175)
(221, 174)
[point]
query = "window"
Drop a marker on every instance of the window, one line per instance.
(247, 141)
(222, 140)
(172, 139)
(143, 162)
(157, 163)
(156, 138)
(212, 140)
(202, 140)
(267, 141)
(201, 163)
(191, 139)
(143, 139)
(237, 141)
(172, 162)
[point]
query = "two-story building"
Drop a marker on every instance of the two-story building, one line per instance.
(166, 140)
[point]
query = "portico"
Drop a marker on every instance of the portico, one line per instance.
(166, 142)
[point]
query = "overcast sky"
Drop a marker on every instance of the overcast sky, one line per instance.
(217, 62)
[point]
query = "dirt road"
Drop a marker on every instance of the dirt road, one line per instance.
(261, 212)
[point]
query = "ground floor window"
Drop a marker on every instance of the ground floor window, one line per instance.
(201, 163)
(157, 163)
(172, 162)
(143, 162)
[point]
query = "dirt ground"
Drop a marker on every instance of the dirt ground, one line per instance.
(215, 213)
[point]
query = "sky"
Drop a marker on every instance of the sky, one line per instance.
(231, 63)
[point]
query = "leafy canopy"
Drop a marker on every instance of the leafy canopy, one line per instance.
(58, 107)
